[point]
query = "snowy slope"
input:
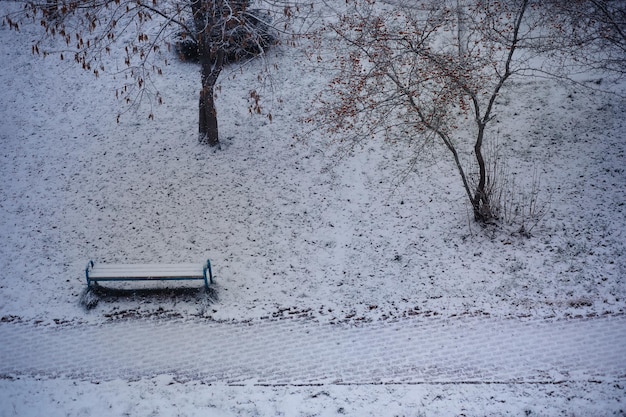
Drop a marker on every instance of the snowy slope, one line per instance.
(286, 225)
(292, 230)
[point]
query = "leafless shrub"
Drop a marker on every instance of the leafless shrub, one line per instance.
(519, 207)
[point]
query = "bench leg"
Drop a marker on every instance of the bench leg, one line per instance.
(208, 267)
(206, 282)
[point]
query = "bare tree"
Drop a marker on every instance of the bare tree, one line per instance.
(421, 70)
(591, 32)
(217, 29)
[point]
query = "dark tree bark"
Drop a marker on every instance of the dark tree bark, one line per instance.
(207, 121)
(207, 125)
(207, 15)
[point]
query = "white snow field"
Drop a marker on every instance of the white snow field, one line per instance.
(340, 290)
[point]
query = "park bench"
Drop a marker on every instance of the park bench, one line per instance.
(148, 272)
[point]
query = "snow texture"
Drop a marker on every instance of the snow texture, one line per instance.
(300, 241)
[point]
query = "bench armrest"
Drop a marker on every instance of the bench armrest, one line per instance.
(87, 268)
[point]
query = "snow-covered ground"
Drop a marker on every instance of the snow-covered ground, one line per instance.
(294, 232)
(165, 396)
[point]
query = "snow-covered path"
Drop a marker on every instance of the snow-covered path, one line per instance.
(275, 352)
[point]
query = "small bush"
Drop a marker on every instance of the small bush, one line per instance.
(510, 204)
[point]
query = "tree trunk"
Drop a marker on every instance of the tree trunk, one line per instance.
(207, 121)
(211, 63)
(207, 16)
(480, 203)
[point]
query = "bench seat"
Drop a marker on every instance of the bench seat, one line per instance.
(147, 272)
